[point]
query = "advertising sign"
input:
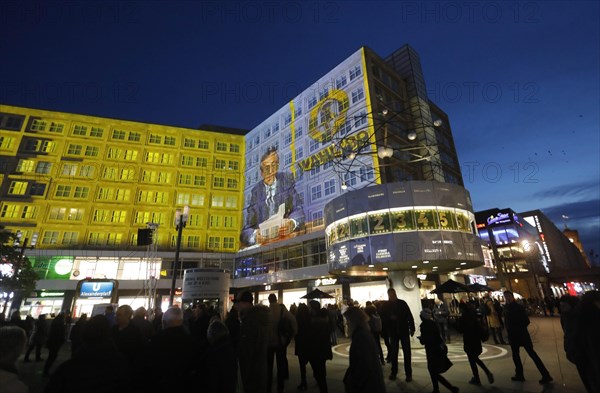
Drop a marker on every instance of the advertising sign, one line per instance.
(290, 157)
(103, 289)
(205, 284)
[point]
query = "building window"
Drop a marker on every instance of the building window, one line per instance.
(366, 174)
(43, 167)
(62, 191)
(75, 214)
(360, 119)
(358, 95)
(88, 171)
(193, 241)
(311, 102)
(202, 145)
(315, 192)
(50, 237)
(170, 141)
(313, 145)
(113, 239)
(317, 218)
(214, 242)
(29, 212)
(232, 183)
(134, 136)
(329, 187)
(92, 151)
(17, 188)
(37, 189)
(287, 138)
(214, 222)
(355, 72)
(25, 166)
(218, 182)
(9, 211)
(70, 237)
(275, 127)
(57, 213)
(323, 93)
(341, 82)
(287, 159)
(56, 127)
(199, 180)
(156, 139)
(299, 152)
(9, 122)
(80, 130)
(234, 165)
(81, 192)
(96, 132)
(287, 119)
(228, 243)
(231, 202)
(217, 201)
(118, 135)
(130, 155)
(350, 178)
(228, 222)
(234, 148)
(38, 125)
(197, 200)
(201, 162)
(6, 142)
(298, 132)
(188, 142)
(221, 146)
(74, 150)
(220, 164)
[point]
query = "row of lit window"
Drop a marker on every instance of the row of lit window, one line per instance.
(50, 238)
(59, 214)
(132, 136)
(106, 194)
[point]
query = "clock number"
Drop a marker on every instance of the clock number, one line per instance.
(423, 220)
(379, 226)
(400, 220)
(443, 219)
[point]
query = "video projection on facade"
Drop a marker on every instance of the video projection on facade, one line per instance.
(289, 157)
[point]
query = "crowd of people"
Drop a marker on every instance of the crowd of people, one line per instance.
(124, 350)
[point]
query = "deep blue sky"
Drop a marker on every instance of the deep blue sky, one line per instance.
(519, 80)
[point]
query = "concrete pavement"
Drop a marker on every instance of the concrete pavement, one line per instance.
(547, 337)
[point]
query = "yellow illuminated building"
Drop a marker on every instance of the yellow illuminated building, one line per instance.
(82, 186)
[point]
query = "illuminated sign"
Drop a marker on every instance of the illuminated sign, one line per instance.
(96, 289)
(325, 281)
(52, 294)
(500, 218)
(476, 279)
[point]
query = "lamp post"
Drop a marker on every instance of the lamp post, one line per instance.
(181, 218)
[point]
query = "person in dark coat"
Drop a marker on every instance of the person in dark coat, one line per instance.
(469, 326)
(375, 325)
(279, 318)
(435, 350)
(171, 355)
(76, 335)
(140, 321)
(128, 338)
(399, 327)
(232, 321)
(98, 367)
(301, 341)
(56, 338)
(516, 322)
(587, 343)
(364, 373)
(12, 343)
(38, 338)
(220, 361)
(319, 344)
(252, 349)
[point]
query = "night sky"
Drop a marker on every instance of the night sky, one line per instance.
(519, 80)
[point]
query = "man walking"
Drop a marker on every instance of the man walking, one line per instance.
(282, 328)
(398, 326)
(516, 322)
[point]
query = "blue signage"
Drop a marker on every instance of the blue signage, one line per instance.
(96, 289)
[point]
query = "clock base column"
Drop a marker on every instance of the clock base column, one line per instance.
(405, 283)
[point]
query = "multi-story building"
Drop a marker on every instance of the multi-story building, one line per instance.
(366, 122)
(82, 186)
(530, 253)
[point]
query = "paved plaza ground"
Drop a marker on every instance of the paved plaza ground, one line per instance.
(547, 337)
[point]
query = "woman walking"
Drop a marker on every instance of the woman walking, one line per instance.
(470, 327)
(436, 351)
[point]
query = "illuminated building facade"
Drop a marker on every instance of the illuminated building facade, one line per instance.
(82, 186)
(327, 141)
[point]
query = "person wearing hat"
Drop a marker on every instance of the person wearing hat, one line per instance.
(252, 343)
(436, 351)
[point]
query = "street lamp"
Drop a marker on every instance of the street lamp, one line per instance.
(181, 217)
